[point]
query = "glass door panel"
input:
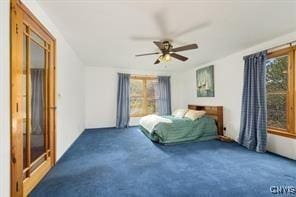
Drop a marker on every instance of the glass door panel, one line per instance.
(37, 39)
(37, 100)
(34, 91)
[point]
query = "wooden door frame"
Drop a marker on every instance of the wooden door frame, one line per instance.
(17, 12)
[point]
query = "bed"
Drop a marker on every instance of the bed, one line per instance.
(172, 130)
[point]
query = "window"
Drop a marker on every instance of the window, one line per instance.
(280, 90)
(143, 96)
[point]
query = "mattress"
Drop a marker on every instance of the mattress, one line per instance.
(183, 130)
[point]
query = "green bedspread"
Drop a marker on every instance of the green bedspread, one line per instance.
(183, 129)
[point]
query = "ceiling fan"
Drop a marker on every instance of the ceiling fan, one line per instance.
(167, 51)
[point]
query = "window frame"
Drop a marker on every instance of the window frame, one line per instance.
(145, 97)
(291, 93)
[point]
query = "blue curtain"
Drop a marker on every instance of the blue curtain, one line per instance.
(253, 115)
(163, 104)
(122, 117)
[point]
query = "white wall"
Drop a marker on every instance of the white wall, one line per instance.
(70, 86)
(101, 95)
(228, 93)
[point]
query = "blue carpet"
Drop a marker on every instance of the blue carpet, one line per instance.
(123, 162)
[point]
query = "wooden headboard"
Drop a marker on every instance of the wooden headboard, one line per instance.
(213, 111)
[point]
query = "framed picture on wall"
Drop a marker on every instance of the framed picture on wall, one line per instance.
(205, 82)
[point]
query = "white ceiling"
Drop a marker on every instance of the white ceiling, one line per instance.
(107, 32)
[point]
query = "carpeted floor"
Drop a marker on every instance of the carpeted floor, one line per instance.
(123, 162)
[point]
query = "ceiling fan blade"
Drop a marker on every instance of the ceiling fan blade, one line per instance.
(144, 54)
(144, 38)
(184, 48)
(158, 44)
(179, 57)
(157, 61)
(160, 19)
(192, 29)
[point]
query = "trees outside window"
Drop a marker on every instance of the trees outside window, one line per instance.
(143, 96)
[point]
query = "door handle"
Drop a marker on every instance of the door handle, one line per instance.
(53, 107)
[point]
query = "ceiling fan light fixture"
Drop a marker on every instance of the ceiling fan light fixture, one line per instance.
(165, 58)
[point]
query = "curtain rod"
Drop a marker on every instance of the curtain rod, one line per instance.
(272, 48)
(281, 45)
(140, 75)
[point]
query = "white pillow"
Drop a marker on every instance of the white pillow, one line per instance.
(179, 113)
(194, 114)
